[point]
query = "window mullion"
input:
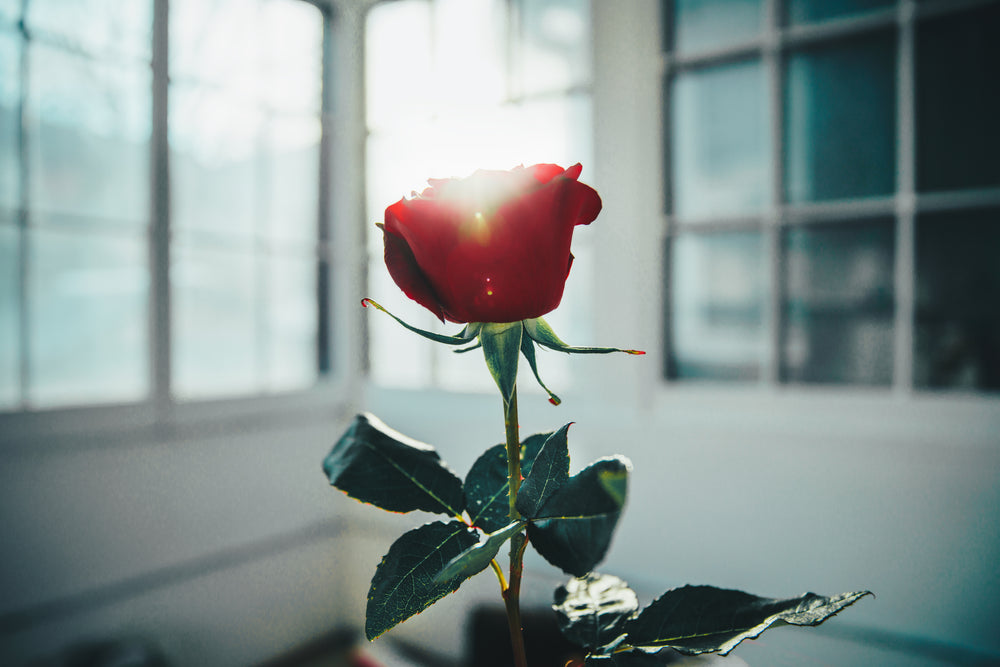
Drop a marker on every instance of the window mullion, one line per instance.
(771, 362)
(159, 228)
(905, 200)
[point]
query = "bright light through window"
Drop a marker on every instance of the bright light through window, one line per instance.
(459, 85)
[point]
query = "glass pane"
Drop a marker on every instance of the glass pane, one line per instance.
(555, 53)
(88, 319)
(10, 318)
(89, 128)
(291, 58)
(10, 11)
(958, 100)
(958, 289)
(215, 316)
(840, 123)
(99, 27)
(838, 303)
(216, 165)
(470, 52)
(10, 99)
(708, 24)
(291, 159)
(718, 295)
(397, 44)
(721, 150)
(806, 11)
(215, 41)
(291, 323)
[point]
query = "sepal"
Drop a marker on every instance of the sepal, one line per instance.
(540, 332)
(467, 334)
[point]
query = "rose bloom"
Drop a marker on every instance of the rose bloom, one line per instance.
(493, 247)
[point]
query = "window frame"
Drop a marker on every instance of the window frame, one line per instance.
(158, 413)
(773, 47)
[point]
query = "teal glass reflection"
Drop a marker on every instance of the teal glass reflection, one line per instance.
(840, 120)
(215, 323)
(88, 318)
(88, 128)
(718, 297)
(958, 100)
(700, 25)
(957, 333)
(10, 315)
(291, 323)
(103, 28)
(10, 121)
(808, 11)
(838, 303)
(720, 141)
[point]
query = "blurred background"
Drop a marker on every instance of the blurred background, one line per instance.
(801, 227)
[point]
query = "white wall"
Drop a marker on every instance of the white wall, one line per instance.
(221, 549)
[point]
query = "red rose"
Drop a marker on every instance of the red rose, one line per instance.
(493, 247)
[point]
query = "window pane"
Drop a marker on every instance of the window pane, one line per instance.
(89, 128)
(555, 53)
(840, 125)
(215, 41)
(805, 11)
(958, 100)
(720, 141)
(88, 318)
(10, 318)
(707, 24)
(215, 311)
(718, 297)
(10, 97)
(838, 303)
(291, 160)
(397, 44)
(215, 141)
(958, 289)
(290, 325)
(291, 55)
(10, 11)
(99, 27)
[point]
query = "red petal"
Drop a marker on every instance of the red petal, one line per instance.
(406, 272)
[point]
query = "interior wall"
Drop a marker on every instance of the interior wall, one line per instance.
(219, 549)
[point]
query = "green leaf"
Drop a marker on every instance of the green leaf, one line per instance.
(404, 583)
(592, 611)
(486, 484)
(501, 347)
(540, 332)
(375, 464)
(528, 350)
(705, 619)
(573, 529)
(548, 474)
(469, 332)
(477, 558)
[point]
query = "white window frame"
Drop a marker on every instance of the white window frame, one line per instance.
(340, 245)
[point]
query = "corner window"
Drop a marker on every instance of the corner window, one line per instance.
(833, 196)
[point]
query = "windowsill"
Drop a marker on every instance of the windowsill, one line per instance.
(142, 423)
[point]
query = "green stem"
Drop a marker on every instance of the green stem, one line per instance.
(512, 595)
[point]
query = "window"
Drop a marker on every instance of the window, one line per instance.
(833, 206)
(115, 290)
(459, 85)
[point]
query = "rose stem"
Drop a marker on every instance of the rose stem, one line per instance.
(511, 596)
